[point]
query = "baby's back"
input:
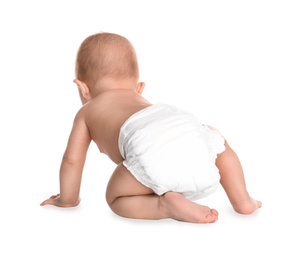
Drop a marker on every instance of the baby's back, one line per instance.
(106, 113)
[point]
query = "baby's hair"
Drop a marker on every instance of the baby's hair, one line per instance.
(106, 55)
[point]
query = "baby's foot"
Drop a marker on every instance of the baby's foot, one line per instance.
(180, 208)
(246, 206)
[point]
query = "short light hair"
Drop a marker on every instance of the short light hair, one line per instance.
(106, 55)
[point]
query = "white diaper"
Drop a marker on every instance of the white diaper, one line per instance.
(167, 149)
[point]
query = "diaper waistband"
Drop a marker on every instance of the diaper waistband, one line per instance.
(145, 116)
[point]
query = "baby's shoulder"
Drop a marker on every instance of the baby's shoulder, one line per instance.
(80, 115)
(85, 112)
(92, 111)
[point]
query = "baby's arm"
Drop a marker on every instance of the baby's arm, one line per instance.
(72, 165)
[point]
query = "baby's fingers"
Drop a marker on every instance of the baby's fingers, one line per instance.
(54, 196)
(51, 201)
(46, 202)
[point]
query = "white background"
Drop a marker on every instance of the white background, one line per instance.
(225, 61)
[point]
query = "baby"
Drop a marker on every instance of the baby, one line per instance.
(165, 158)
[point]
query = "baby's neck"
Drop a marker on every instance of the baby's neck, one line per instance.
(107, 84)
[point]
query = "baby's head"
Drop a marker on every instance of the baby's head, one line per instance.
(104, 56)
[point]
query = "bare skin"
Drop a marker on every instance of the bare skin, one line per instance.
(233, 182)
(105, 111)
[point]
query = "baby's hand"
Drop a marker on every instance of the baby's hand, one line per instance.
(55, 201)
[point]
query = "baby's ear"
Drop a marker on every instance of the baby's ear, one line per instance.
(84, 89)
(140, 87)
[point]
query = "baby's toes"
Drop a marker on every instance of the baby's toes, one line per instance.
(257, 203)
(213, 211)
(212, 217)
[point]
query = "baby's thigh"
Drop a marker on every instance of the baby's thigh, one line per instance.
(123, 183)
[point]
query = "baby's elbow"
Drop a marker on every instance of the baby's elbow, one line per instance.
(69, 160)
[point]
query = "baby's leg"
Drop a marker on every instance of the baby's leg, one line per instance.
(233, 181)
(129, 198)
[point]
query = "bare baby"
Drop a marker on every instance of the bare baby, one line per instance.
(165, 158)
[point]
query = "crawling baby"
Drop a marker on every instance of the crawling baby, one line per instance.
(165, 158)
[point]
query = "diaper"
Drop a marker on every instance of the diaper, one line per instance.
(167, 149)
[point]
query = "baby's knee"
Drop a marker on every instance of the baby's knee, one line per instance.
(110, 196)
(113, 201)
